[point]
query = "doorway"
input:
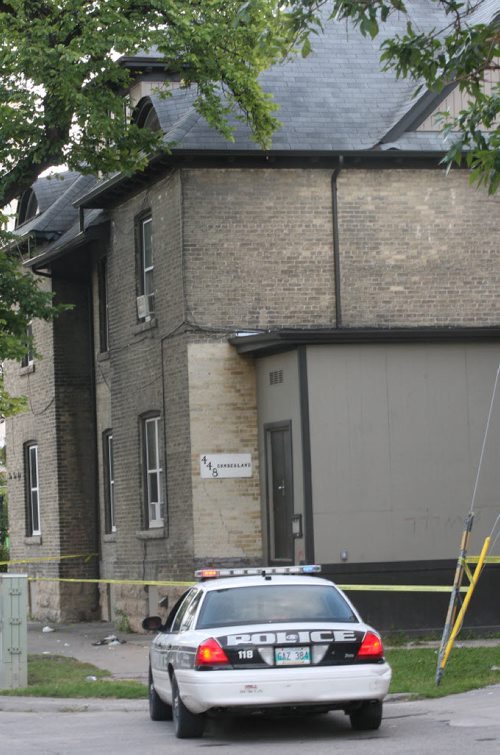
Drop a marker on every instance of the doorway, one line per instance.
(279, 492)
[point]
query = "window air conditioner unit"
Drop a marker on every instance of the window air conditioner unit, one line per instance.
(142, 307)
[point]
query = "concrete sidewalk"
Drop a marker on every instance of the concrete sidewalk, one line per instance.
(127, 659)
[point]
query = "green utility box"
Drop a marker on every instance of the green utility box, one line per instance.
(13, 631)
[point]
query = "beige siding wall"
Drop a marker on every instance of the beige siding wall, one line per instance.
(396, 437)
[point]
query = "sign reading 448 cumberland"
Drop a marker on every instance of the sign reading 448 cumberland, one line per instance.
(215, 466)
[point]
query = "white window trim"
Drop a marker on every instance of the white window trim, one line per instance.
(110, 480)
(153, 508)
(147, 269)
(28, 359)
(33, 488)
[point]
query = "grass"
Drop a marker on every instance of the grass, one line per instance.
(59, 676)
(414, 670)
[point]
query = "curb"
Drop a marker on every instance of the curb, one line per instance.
(69, 705)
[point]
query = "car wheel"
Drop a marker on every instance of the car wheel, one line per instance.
(187, 725)
(158, 710)
(368, 716)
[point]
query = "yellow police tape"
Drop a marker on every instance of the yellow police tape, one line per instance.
(37, 559)
(168, 583)
(172, 583)
(163, 583)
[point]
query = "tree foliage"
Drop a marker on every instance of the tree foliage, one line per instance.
(62, 98)
(62, 85)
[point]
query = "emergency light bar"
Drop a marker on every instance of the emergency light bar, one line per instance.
(255, 571)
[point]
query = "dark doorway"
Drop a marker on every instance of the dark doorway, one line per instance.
(279, 492)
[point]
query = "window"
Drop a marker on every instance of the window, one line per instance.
(102, 283)
(146, 298)
(27, 360)
(264, 603)
(32, 489)
(109, 482)
(27, 207)
(153, 471)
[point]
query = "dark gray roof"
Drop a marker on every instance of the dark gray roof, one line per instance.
(335, 99)
(54, 217)
(49, 188)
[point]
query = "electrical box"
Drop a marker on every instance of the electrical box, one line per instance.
(13, 631)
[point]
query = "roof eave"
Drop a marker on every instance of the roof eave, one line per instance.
(120, 185)
(272, 342)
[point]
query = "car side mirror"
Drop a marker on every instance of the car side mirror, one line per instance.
(152, 624)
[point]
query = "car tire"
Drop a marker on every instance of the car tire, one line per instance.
(367, 717)
(187, 725)
(158, 710)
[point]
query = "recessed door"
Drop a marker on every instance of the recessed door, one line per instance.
(279, 493)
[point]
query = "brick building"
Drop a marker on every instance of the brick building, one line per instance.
(272, 357)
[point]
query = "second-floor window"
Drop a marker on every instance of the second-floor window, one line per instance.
(153, 471)
(28, 358)
(109, 482)
(32, 489)
(146, 299)
(102, 280)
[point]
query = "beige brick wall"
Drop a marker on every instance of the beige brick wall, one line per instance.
(418, 248)
(223, 415)
(258, 247)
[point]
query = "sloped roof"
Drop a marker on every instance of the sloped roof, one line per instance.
(56, 211)
(335, 99)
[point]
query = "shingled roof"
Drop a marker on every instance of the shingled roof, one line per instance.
(336, 99)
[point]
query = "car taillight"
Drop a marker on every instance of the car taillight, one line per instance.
(371, 647)
(210, 653)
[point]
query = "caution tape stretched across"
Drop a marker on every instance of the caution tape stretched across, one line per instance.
(173, 583)
(41, 559)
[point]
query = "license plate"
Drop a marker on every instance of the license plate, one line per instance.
(293, 656)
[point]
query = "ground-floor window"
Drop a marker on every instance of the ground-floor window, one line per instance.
(109, 482)
(32, 489)
(153, 471)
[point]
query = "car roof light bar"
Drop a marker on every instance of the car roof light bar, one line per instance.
(255, 571)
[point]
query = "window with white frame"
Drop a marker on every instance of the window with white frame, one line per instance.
(109, 482)
(32, 489)
(153, 471)
(28, 358)
(146, 302)
(102, 284)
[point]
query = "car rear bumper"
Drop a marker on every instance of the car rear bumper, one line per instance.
(261, 688)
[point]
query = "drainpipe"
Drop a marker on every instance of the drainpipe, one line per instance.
(336, 244)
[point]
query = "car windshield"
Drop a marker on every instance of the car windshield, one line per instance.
(273, 603)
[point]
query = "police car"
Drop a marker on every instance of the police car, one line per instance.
(260, 640)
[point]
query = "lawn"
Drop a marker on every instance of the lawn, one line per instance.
(59, 676)
(413, 669)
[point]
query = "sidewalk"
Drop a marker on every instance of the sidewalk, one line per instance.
(125, 660)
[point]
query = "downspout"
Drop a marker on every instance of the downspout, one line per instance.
(336, 243)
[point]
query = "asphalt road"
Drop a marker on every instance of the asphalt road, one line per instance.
(467, 723)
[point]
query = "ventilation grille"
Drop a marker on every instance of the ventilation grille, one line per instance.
(275, 377)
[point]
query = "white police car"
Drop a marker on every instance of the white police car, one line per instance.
(264, 639)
